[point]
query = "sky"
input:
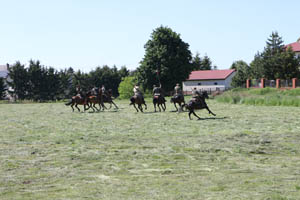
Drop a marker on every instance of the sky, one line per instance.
(84, 34)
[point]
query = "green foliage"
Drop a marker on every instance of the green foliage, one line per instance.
(2, 88)
(275, 61)
(263, 96)
(126, 87)
(242, 73)
(202, 63)
(167, 54)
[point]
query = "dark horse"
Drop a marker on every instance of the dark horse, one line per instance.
(107, 98)
(79, 100)
(160, 101)
(193, 105)
(179, 98)
(139, 101)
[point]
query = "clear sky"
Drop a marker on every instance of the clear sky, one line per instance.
(85, 34)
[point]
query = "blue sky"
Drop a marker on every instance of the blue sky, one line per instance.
(85, 34)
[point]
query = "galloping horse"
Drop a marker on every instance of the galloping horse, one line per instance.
(139, 101)
(107, 98)
(160, 101)
(179, 98)
(79, 100)
(193, 105)
(96, 99)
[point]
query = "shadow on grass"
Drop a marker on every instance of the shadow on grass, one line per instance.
(208, 118)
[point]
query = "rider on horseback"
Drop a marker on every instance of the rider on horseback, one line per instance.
(137, 93)
(157, 91)
(196, 96)
(178, 91)
(79, 92)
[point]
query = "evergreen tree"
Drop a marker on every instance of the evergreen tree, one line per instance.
(197, 62)
(2, 89)
(20, 80)
(206, 63)
(167, 60)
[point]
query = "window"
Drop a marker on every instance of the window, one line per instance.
(199, 84)
(216, 83)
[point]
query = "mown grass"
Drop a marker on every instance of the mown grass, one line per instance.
(245, 152)
(264, 96)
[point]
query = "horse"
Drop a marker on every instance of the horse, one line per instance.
(193, 105)
(79, 100)
(179, 98)
(107, 98)
(139, 101)
(160, 101)
(96, 99)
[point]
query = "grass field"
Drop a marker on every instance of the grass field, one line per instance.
(245, 152)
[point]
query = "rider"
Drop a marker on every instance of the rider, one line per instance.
(94, 91)
(137, 93)
(103, 89)
(157, 91)
(79, 92)
(196, 96)
(178, 91)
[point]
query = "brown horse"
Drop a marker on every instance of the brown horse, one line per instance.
(79, 100)
(107, 98)
(96, 99)
(179, 99)
(160, 101)
(195, 105)
(139, 101)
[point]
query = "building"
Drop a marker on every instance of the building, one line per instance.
(295, 47)
(210, 80)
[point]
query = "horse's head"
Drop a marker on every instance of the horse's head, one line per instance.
(205, 95)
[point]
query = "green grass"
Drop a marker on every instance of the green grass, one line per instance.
(265, 96)
(245, 152)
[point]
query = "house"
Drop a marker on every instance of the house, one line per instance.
(210, 80)
(295, 47)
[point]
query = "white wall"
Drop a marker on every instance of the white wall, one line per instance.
(208, 84)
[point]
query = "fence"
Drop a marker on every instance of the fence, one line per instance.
(278, 83)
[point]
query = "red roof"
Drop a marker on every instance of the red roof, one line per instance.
(295, 46)
(210, 74)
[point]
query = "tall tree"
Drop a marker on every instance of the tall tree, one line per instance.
(206, 63)
(2, 88)
(242, 73)
(275, 61)
(167, 60)
(19, 80)
(197, 62)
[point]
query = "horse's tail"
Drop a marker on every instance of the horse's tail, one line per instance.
(69, 103)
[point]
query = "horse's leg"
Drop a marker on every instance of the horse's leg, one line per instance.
(94, 105)
(154, 104)
(164, 108)
(176, 106)
(135, 107)
(72, 106)
(114, 105)
(158, 105)
(209, 111)
(193, 111)
(145, 106)
(76, 105)
(140, 107)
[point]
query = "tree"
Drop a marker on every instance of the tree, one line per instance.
(167, 60)
(2, 89)
(126, 86)
(19, 83)
(206, 63)
(242, 73)
(275, 61)
(197, 62)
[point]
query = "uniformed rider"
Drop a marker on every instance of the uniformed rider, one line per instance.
(178, 91)
(137, 93)
(196, 96)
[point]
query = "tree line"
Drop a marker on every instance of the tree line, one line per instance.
(276, 61)
(40, 83)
